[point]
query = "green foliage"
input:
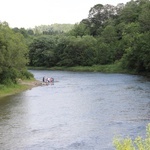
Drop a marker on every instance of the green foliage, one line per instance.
(79, 30)
(11, 89)
(21, 31)
(13, 54)
(42, 51)
(12, 49)
(24, 74)
(53, 29)
(137, 57)
(144, 16)
(130, 12)
(98, 17)
(138, 144)
(111, 68)
(76, 51)
(9, 75)
(109, 34)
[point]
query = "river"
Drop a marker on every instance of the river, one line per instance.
(80, 111)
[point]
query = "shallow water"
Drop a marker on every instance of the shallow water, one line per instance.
(81, 111)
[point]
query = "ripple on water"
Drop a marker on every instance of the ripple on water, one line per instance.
(82, 111)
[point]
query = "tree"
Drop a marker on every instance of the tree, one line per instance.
(103, 52)
(13, 54)
(109, 34)
(99, 15)
(42, 51)
(23, 31)
(72, 51)
(137, 56)
(130, 12)
(80, 30)
(144, 16)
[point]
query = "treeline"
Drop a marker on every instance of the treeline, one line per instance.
(108, 35)
(53, 29)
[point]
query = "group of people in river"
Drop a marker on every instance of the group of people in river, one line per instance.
(48, 80)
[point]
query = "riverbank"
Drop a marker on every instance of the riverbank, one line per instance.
(28, 84)
(112, 68)
(22, 85)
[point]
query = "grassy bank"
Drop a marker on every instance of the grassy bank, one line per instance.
(99, 68)
(12, 89)
(112, 68)
(19, 87)
(27, 84)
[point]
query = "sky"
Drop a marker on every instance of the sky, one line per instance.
(31, 13)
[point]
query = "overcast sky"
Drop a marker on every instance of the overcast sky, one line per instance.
(31, 13)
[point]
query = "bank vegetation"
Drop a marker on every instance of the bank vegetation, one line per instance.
(110, 39)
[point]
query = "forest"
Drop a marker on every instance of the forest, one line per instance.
(109, 35)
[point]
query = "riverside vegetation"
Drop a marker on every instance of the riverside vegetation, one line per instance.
(110, 39)
(138, 144)
(13, 60)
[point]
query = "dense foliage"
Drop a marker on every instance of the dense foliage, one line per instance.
(13, 55)
(138, 144)
(53, 29)
(109, 34)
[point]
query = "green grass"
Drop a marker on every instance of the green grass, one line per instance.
(14, 88)
(36, 68)
(112, 68)
(11, 89)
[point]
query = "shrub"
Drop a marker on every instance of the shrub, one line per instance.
(138, 144)
(24, 74)
(9, 76)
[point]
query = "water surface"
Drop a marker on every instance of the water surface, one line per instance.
(81, 111)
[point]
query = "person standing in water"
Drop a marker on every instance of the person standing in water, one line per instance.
(44, 79)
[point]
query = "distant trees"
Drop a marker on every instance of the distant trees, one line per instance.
(135, 35)
(42, 51)
(109, 34)
(65, 51)
(144, 16)
(99, 15)
(53, 29)
(78, 51)
(122, 33)
(79, 30)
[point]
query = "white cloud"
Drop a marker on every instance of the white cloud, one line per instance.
(29, 13)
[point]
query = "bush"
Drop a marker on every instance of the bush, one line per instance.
(26, 75)
(137, 144)
(10, 76)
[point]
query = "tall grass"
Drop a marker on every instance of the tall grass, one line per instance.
(11, 89)
(137, 144)
(112, 68)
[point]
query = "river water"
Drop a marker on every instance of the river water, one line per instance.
(80, 111)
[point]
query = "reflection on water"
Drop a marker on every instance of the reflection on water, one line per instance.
(81, 111)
